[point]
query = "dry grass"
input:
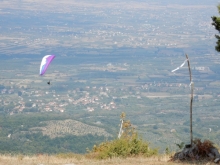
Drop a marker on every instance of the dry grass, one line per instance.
(82, 160)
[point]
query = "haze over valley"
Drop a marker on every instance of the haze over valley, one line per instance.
(111, 57)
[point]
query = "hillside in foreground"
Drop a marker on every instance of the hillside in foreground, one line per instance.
(82, 160)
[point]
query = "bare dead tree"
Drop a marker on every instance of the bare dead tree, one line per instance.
(191, 99)
(197, 150)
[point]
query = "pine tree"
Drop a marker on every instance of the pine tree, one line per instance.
(216, 24)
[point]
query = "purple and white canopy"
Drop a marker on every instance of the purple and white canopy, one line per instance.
(46, 60)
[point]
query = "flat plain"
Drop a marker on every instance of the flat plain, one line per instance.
(111, 57)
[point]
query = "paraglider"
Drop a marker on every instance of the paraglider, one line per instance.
(46, 60)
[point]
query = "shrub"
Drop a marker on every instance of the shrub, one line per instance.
(129, 144)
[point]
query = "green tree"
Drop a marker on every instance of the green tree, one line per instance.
(216, 24)
(19, 93)
(28, 104)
